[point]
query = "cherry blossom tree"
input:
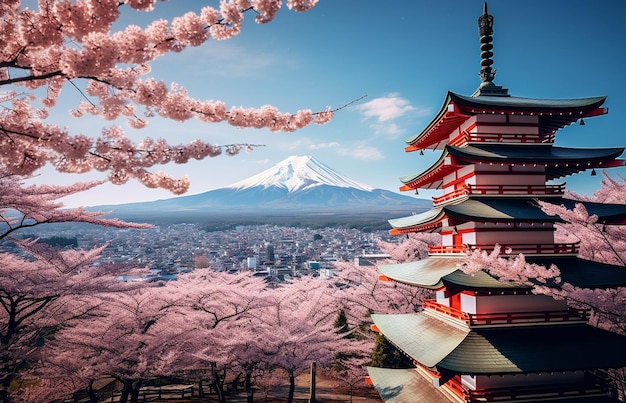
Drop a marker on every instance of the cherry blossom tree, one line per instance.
(413, 247)
(40, 293)
(297, 328)
(23, 206)
(219, 307)
(75, 46)
(363, 292)
(42, 288)
(132, 337)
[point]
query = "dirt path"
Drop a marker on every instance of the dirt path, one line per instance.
(327, 391)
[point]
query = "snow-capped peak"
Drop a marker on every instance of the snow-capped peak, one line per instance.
(297, 173)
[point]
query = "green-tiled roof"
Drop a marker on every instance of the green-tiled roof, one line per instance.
(434, 272)
(536, 349)
(436, 343)
(561, 161)
(519, 103)
(424, 273)
(509, 209)
(553, 113)
(431, 215)
(480, 281)
(423, 337)
(403, 386)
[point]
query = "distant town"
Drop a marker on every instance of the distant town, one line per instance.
(275, 251)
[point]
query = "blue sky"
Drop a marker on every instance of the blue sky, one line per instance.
(404, 55)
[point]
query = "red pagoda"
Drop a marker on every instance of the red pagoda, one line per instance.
(481, 339)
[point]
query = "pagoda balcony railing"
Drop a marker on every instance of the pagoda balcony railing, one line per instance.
(527, 138)
(446, 310)
(530, 248)
(501, 190)
(439, 200)
(508, 190)
(509, 249)
(568, 315)
(587, 388)
(445, 250)
(507, 318)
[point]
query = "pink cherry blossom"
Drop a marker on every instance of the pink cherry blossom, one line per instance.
(77, 43)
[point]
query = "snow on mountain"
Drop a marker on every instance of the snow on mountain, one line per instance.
(297, 186)
(299, 173)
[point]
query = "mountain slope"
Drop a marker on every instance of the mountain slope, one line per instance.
(299, 173)
(296, 185)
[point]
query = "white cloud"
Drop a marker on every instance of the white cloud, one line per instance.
(333, 144)
(390, 130)
(386, 108)
(362, 152)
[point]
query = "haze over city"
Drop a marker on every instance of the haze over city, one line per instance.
(403, 56)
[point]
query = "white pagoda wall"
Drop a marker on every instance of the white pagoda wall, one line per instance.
(516, 303)
(485, 174)
(504, 303)
(499, 124)
(513, 236)
(501, 233)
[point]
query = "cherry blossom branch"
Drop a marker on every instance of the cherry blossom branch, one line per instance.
(72, 40)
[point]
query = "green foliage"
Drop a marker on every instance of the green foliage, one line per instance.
(387, 355)
(341, 323)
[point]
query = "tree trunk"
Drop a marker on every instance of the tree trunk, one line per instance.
(218, 384)
(200, 389)
(248, 387)
(125, 393)
(313, 385)
(292, 386)
(134, 391)
(91, 393)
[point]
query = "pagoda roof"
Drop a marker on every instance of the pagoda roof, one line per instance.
(407, 385)
(425, 273)
(536, 349)
(553, 114)
(437, 271)
(480, 281)
(503, 209)
(424, 337)
(558, 161)
(404, 385)
(435, 343)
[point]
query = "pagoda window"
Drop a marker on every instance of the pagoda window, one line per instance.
(440, 297)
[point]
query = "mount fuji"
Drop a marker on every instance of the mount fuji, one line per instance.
(298, 185)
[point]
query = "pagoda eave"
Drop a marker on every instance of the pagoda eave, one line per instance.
(436, 134)
(558, 161)
(535, 349)
(404, 385)
(427, 273)
(553, 114)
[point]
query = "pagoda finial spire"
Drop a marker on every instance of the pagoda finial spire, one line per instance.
(487, 74)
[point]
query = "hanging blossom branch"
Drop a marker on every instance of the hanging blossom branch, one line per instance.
(63, 42)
